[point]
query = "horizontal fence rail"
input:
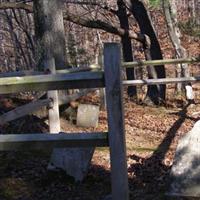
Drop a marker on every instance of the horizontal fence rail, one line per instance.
(51, 82)
(49, 141)
(160, 62)
(62, 71)
(23, 110)
(161, 81)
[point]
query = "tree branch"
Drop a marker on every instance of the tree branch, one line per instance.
(84, 2)
(98, 24)
(14, 5)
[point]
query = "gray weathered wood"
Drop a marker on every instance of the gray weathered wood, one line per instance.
(49, 141)
(160, 62)
(93, 67)
(64, 100)
(161, 81)
(34, 106)
(51, 82)
(112, 57)
(62, 71)
(21, 73)
(53, 108)
(23, 110)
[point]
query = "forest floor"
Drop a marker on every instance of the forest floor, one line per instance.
(152, 134)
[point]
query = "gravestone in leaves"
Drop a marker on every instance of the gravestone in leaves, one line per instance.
(87, 115)
(185, 172)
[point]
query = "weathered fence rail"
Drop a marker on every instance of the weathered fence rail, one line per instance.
(161, 81)
(141, 63)
(22, 142)
(93, 67)
(23, 110)
(10, 85)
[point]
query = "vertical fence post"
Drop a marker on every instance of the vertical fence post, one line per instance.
(113, 82)
(54, 119)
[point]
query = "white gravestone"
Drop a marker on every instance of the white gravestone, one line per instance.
(87, 115)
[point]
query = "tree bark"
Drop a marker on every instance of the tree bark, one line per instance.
(48, 26)
(139, 11)
(170, 12)
(48, 17)
(126, 44)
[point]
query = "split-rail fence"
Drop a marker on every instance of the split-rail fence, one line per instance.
(111, 79)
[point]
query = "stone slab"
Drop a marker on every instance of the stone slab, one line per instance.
(74, 161)
(87, 115)
(185, 172)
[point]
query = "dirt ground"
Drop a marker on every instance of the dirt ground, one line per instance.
(152, 134)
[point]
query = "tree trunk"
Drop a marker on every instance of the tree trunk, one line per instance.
(154, 94)
(126, 44)
(170, 12)
(51, 43)
(48, 17)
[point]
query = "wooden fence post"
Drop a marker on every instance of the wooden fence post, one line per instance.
(54, 118)
(113, 82)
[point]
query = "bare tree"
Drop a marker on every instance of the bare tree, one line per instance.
(170, 11)
(112, 18)
(155, 94)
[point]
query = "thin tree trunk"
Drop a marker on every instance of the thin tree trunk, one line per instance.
(170, 12)
(18, 50)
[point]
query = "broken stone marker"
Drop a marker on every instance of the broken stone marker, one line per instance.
(74, 161)
(185, 172)
(87, 115)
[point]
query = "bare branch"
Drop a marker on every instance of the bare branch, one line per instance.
(14, 5)
(84, 2)
(98, 24)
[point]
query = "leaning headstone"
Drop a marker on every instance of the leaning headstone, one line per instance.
(74, 161)
(185, 172)
(87, 115)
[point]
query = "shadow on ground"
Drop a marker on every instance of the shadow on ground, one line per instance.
(23, 176)
(152, 175)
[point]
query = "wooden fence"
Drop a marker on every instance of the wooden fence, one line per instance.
(113, 83)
